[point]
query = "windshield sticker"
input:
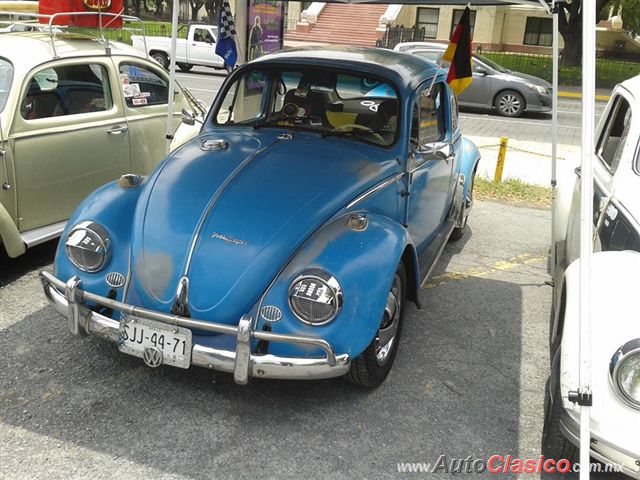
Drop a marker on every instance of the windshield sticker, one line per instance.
(131, 90)
(139, 101)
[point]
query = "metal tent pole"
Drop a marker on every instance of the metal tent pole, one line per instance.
(172, 73)
(583, 396)
(554, 138)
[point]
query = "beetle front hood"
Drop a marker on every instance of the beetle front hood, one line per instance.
(229, 220)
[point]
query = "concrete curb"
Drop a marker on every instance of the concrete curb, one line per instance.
(578, 96)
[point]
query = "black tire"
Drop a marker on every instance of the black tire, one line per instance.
(458, 232)
(185, 67)
(161, 58)
(373, 365)
(509, 103)
(554, 443)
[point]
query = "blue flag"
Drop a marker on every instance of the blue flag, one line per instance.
(226, 45)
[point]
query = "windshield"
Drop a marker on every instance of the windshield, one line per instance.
(330, 103)
(491, 64)
(6, 76)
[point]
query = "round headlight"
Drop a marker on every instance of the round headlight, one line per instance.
(624, 371)
(315, 297)
(88, 246)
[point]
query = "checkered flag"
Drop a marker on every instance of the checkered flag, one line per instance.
(226, 45)
(227, 28)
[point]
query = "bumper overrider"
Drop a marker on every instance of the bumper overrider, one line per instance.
(69, 300)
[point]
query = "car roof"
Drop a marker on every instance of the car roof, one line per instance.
(417, 45)
(14, 47)
(404, 69)
(632, 85)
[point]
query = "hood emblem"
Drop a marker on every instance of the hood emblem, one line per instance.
(227, 239)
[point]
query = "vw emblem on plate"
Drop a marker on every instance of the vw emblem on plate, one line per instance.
(152, 356)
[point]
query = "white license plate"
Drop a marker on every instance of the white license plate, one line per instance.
(155, 342)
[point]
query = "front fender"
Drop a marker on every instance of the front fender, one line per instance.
(363, 262)
(112, 207)
(9, 235)
(469, 158)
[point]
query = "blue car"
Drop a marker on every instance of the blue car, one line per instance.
(286, 239)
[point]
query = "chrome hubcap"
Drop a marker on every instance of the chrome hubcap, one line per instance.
(509, 104)
(386, 336)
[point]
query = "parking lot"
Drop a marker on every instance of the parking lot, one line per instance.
(469, 380)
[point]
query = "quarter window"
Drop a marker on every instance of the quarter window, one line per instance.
(427, 18)
(614, 134)
(457, 15)
(142, 86)
(67, 90)
(538, 31)
(6, 76)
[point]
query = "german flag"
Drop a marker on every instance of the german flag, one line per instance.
(458, 54)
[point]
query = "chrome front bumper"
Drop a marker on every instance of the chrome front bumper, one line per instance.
(67, 299)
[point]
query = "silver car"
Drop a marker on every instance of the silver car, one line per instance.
(493, 86)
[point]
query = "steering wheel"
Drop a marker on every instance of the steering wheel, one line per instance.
(354, 126)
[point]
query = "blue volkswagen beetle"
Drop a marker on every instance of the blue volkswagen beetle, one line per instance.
(286, 238)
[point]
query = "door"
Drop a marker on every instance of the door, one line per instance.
(145, 88)
(201, 47)
(477, 93)
(429, 175)
(69, 137)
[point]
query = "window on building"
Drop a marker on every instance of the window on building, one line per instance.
(427, 18)
(457, 15)
(538, 31)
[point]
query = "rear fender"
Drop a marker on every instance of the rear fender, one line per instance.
(364, 263)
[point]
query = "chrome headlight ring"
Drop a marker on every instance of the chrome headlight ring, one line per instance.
(624, 373)
(88, 246)
(315, 297)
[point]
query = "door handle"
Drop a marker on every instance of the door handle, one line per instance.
(118, 130)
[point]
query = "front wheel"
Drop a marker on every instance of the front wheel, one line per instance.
(554, 443)
(373, 365)
(458, 232)
(509, 103)
(161, 58)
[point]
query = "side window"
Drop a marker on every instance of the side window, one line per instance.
(614, 134)
(142, 86)
(616, 233)
(66, 90)
(202, 35)
(428, 117)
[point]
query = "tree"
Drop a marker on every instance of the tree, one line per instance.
(196, 5)
(211, 6)
(570, 23)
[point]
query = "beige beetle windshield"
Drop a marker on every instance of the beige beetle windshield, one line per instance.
(6, 76)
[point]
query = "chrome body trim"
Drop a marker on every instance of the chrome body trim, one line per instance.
(67, 299)
(43, 234)
(374, 189)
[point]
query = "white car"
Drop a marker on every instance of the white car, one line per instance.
(197, 49)
(615, 311)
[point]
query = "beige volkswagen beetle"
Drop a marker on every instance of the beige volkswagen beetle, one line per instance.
(74, 115)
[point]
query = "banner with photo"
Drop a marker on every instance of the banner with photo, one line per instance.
(265, 27)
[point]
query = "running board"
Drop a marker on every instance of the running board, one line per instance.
(43, 234)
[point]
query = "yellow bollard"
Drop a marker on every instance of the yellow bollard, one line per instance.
(502, 153)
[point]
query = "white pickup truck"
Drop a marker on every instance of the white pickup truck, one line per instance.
(198, 48)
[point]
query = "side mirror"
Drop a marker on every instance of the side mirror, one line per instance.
(482, 71)
(440, 150)
(188, 118)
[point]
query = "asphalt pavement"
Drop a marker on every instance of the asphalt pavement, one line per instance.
(468, 380)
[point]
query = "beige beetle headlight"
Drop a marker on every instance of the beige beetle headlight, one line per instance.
(624, 371)
(315, 297)
(88, 246)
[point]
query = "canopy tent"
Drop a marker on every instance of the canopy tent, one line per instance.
(588, 113)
